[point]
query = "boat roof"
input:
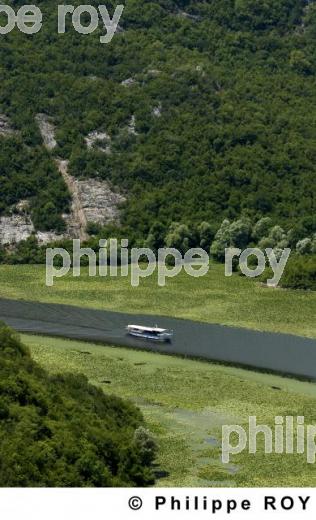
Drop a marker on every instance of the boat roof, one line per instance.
(140, 327)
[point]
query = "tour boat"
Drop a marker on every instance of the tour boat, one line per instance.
(152, 333)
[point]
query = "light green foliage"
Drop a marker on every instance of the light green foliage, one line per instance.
(304, 246)
(145, 445)
(178, 237)
(236, 301)
(262, 228)
(222, 241)
(231, 234)
(185, 403)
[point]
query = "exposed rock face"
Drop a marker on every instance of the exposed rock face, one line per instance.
(47, 237)
(100, 140)
(15, 228)
(19, 226)
(154, 72)
(93, 200)
(99, 201)
(157, 110)
(76, 221)
(131, 128)
(128, 82)
(22, 207)
(47, 130)
(5, 127)
(188, 16)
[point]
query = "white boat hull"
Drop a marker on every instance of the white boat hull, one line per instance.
(164, 337)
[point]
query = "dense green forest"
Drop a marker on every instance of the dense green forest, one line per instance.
(29, 174)
(223, 98)
(61, 431)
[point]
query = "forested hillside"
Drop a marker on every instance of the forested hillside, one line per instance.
(59, 431)
(209, 109)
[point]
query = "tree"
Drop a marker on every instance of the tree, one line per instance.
(58, 430)
(156, 237)
(221, 242)
(146, 445)
(305, 246)
(179, 237)
(206, 235)
(261, 228)
(240, 233)
(299, 62)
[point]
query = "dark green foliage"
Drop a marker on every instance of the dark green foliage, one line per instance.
(300, 273)
(29, 173)
(25, 252)
(235, 84)
(61, 431)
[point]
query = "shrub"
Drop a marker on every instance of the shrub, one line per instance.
(262, 228)
(61, 431)
(146, 445)
(300, 273)
(304, 247)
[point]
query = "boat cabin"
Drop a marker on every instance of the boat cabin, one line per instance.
(151, 333)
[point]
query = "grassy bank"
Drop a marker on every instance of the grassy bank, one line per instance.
(186, 402)
(235, 301)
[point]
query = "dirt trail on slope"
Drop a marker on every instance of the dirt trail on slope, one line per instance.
(93, 200)
(77, 222)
